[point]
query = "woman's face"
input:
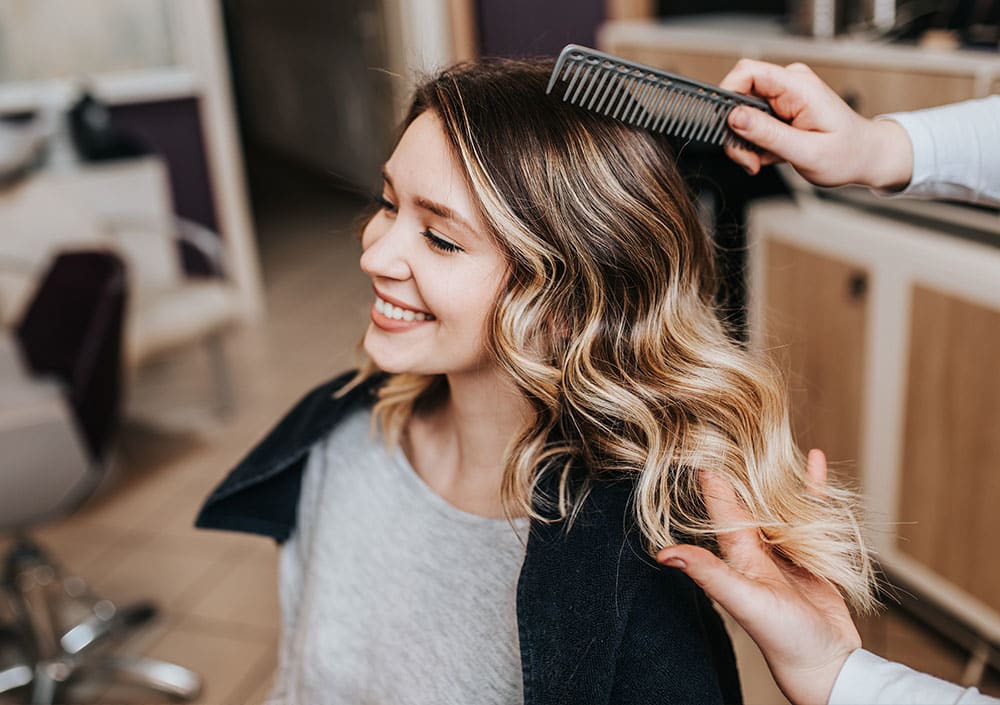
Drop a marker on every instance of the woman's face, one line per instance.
(434, 271)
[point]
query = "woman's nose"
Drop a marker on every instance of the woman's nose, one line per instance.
(384, 252)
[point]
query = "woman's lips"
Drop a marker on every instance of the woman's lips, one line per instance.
(389, 314)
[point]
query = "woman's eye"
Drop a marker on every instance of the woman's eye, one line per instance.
(384, 203)
(440, 243)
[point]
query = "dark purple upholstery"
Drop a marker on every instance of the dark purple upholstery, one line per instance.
(72, 330)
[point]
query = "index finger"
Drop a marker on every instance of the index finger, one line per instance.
(743, 76)
(787, 89)
(741, 546)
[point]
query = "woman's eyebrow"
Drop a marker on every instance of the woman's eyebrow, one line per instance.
(438, 209)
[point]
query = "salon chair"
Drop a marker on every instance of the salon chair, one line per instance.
(60, 390)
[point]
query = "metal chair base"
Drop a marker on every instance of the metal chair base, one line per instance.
(61, 633)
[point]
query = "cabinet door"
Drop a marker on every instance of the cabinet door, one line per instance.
(949, 501)
(815, 324)
(876, 90)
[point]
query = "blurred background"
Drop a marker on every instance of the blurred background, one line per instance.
(180, 184)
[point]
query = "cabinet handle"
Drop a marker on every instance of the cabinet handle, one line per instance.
(857, 286)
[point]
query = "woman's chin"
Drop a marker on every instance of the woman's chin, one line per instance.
(381, 352)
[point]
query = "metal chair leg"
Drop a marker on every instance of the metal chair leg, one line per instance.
(169, 678)
(46, 654)
(15, 677)
(225, 399)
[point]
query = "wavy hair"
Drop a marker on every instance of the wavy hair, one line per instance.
(607, 325)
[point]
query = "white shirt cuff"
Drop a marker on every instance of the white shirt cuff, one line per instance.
(956, 151)
(867, 679)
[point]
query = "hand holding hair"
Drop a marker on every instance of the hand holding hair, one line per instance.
(823, 138)
(801, 623)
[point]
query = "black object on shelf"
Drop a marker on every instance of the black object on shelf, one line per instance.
(96, 138)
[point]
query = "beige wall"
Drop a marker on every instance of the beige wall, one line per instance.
(52, 39)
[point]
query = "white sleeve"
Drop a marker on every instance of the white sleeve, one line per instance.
(867, 679)
(956, 151)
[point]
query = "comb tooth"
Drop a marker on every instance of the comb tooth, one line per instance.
(649, 101)
(729, 138)
(607, 78)
(626, 88)
(709, 121)
(723, 120)
(694, 119)
(666, 110)
(619, 82)
(707, 118)
(720, 132)
(694, 122)
(701, 119)
(570, 63)
(679, 110)
(718, 123)
(638, 97)
(715, 137)
(594, 87)
(555, 72)
(612, 82)
(633, 102)
(684, 125)
(680, 117)
(627, 102)
(660, 92)
(572, 82)
(560, 63)
(584, 81)
(690, 117)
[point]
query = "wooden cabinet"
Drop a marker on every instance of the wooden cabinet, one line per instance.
(873, 90)
(891, 334)
(874, 78)
(949, 496)
(822, 355)
(708, 67)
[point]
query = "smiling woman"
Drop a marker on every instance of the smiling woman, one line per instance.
(547, 383)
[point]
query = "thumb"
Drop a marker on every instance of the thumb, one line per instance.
(736, 593)
(769, 133)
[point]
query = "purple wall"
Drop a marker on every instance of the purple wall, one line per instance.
(172, 129)
(536, 27)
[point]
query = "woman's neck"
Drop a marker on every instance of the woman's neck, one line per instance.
(458, 448)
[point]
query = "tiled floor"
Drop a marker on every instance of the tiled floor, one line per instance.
(216, 590)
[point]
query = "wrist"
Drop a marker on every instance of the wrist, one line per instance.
(814, 684)
(833, 673)
(888, 161)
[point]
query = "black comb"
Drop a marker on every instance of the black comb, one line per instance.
(649, 98)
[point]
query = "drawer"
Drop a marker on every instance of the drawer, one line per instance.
(872, 91)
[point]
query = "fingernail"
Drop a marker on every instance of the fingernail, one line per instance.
(675, 562)
(740, 119)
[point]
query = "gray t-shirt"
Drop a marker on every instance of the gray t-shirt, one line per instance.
(389, 594)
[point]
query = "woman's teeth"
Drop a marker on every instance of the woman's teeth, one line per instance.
(400, 314)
